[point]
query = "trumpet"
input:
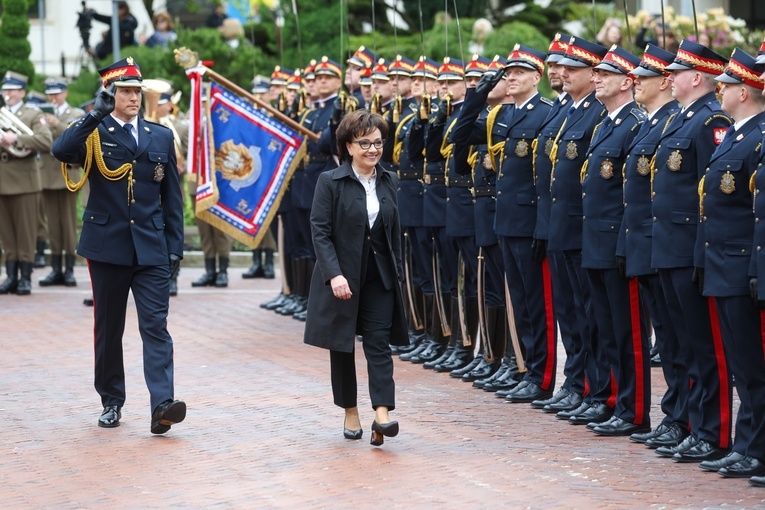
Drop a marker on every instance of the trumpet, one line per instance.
(9, 122)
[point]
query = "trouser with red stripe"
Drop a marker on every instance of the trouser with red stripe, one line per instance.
(741, 328)
(623, 337)
(674, 402)
(531, 294)
(701, 351)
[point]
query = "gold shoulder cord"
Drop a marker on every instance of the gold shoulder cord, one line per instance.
(752, 184)
(653, 158)
(554, 151)
(397, 143)
(586, 165)
(447, 148)
(496, 150)
(93, 151)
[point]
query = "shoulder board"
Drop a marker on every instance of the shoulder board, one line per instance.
(638, 114)
(718, 115)
(546, 100)
(154, 123)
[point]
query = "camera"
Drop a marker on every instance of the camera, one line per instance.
(85, 24)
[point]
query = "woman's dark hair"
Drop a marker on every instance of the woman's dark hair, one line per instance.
(356, 124)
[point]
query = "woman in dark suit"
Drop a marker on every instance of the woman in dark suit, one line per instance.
(355, 287)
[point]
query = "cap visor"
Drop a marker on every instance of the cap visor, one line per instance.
(520, 63)
(677, 66)
(726, 78)
(645, 72)
(570, 62)
(761, 59)
(553, 59)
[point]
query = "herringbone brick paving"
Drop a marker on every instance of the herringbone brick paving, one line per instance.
(262, 432)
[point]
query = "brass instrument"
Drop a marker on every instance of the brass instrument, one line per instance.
(152, 90)
(9, 122)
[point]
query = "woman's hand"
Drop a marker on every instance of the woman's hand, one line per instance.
(340, 287)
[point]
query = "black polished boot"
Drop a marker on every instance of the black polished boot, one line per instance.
(497, 340)
(298, 302)
(25, 282)
(55, 277)
(40, 253)
(221, 279)
(12, 281)
(69, 280)
(268, 264)
(274, 303)
(256, 269)
(207, 279)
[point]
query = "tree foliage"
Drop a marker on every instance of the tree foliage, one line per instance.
(14, 31)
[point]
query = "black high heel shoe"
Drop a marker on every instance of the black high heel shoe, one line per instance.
(380, 430)
(352, 434)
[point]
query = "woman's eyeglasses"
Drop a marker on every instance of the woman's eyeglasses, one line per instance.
(366, 144)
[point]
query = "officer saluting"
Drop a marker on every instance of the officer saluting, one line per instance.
(132, 236)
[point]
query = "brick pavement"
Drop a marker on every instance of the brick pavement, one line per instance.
(262, 432)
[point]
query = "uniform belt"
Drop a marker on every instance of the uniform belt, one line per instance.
(434, 179)
(413, 174)
(317, 158)
(7, 156)
(459, 182)
(483, 191)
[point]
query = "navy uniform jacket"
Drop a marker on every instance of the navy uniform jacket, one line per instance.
(542, 164)
(114, 231)
(484, 192)
(460, 210)
(602, 192)
(434, 199)
(637, 226)
(410, 184)
(757, 265)
(319, 155)
(728, 216)
(685, 149)
(574, 138)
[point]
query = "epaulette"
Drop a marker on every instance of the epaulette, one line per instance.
(155, 123)
(639, 114)
(546, 100)
(717, 116)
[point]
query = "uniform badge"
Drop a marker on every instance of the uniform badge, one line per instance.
(720, 135)
(486, 161)
(607, 169)
(571, 150)
(522, 148)
(549, 146)
(159, 172)
(728, 183)
(643, 165)
(675, 161)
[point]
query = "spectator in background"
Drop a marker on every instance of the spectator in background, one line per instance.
(232, 31)
(610, 33)
(216, 18)
(127, 26)
(656, 32)
(163, 31)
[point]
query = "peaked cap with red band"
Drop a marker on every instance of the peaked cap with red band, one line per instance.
(743, 68)
(281, 75)
(558, 47)
(401, 66)
(451, 69)
(692, 55)
(380, 71)
(761, 54)
(365, 76)
(294, 82)
(362, 58)
(476, 66)
(654, 62)
(581, 53)
(497, 63)
(618, 60)
(327, 66)
(426, 67)
(523, 56)
(124, 73)
(308, 71)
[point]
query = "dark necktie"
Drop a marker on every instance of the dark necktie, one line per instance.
(728, 140)
(129, 129)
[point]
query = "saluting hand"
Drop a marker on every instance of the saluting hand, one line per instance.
(340, 287)
(488, 81)
(104, 104)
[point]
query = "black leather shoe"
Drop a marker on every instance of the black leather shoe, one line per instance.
(445, 355)
(493, 377)
(433, 351)
(670, 451)
(565, 415)
(567, 403)
(482, 371)
(656, 360)
(717, 465)
(167, 414)
(503, 379)
(757, 481)
(352, 434)
(459, 372)
(528, 394)
(744, 468)
(508, 392)
(594, 424)
(407, 356)
(642, 437)
(703, 450)
(557, 397)
(88, 301)
(672, 437)
(619, 427)
(301, 316)
(596, 412)
(110, 417)
(274, 303)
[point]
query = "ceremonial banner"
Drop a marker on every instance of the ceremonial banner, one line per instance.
(245, 161)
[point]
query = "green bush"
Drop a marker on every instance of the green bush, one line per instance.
(14, 29)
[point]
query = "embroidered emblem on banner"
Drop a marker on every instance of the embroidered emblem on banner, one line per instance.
(522, 148)
(571, 150)
(728, 183)
(643, 165)
(675, 161)
(607, 169)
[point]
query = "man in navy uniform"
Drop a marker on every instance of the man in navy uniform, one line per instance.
(727, 230)
(568, 154)
(132, 236)
(361, 59)
(688, 141)
(633, 251)
(622, 334)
